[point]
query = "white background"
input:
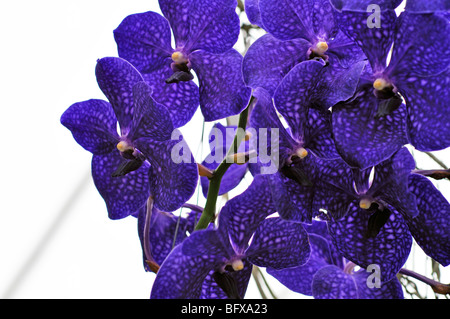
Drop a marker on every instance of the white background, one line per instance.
(56, 240)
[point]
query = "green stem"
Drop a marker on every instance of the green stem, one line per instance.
(208, 214)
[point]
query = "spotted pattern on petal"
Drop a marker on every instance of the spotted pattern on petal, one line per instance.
(362, 139)
(144, 40)
(93, 125)
(427, 104)
(123, 195)
(181, 276)
(426, 53)
(375, 42)
(171, 183)
(181, 99)
(279, 244)
(177, 13)
(389, 249)
(331, 282)
(222, 89)
(268, 59)
(431, 227)
(116, 78)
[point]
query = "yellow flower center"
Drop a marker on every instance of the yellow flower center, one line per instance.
(301, 152)
(321, 47)
(380, 84)
(237, 265)
(124, 146)
(365, 203)
(179, 57)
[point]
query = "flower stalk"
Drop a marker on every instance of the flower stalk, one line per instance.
(208, 214)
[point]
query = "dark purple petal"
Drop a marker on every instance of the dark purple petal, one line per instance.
(222, 89)
(144, 40)
(93, 125)
(211, 290)
(389, 249)
(116, 78)
(253, 13)
(207, 242)
(266, 124)
(427, 105)
(150, 119)
(311, 20)
(292, 97)
(242, 214)
(424, 54)
(166, 231)
(318, 134)
(181, 276)
(375, 42)
(279, 244)
(268, 59)
(123, 195)
(427, 6)
(387, 290)
(331, 282)
(214, 25)
(293, 201)
(173, 174)
(362, 138)
(299, 279)
(390, 182)
(361, 5)
(177, 13)
(431, 227)
(181, 99)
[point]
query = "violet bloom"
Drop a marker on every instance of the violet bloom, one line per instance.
(282, 151)
(373, 220)
(327, 275)
(297, 31)
(217, 262)
(402, 99)
(129, 167)
(205, 32)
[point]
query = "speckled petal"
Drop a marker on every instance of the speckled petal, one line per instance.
(293, 97)
(181, 276)
(375, 42)
(123, 195)
(427, 6)
(144, 39)
(362, 138)
(253, 13)
(173, 174)
(299, 279)
(242, 214)
(431, 227)
(222, 89)
(390, 182)
(387, 290)
(331, 282)
(279, 244)
(269, 59)
(389, 249)
(211, 290)
(287, 20)
(428, 117)
(214, 25)
(181, 99)
(426, 53)
(116, 78)
(93, 125)
(150, 119)
(177, 13)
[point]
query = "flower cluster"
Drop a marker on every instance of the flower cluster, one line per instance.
(329, 100)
